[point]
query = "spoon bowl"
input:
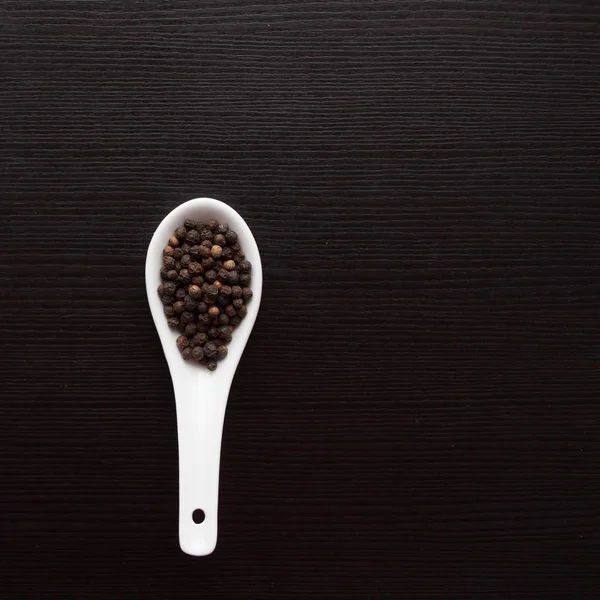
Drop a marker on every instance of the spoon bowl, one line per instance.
(200, 395)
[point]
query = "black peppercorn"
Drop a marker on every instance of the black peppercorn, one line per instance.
(231, 237)
(236, 247)
(222, 228)
(169, 262)
(195, 268)
(242, 312)
(247, 293)
(204, 251)
(220, 239)
(186, 259)
(221, 352)
(210, 275)
(210, 349)
(200, 225)
(202, 308)
(185, 276)
(168, 250)
(169, 310)
(168, 299)
(233, 278)
(198, 280)
(178, 253)
(236, 291)
(214, 311)
(200, 338)
(238, 303)
(227, 253)
(182, 342)
(245, 266)
(211, 365)
(172, 275)
(161, 290)
(178, 307)
(163, 273)
(223, 331)
(195, 251)
(230, 311)
(198, 353)
(190, 329)
(192, 237)
(225, 291)
(223, 301)
(195, 292)
(208, 263)
(180, 233)
(245, 279)
(177, 266)
(203, 322)
(169, 288)
(185, 248)
(212, 333)
(187, 317)
(212, 224)
(212, 291)
(206, 235)
(207, 244)
(187, 353)
(180, 294)
(235, 321)
(223, 319)
(189, 224)
(189, 303)
(173, 321)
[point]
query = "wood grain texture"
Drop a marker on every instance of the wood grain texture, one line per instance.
(417, 414)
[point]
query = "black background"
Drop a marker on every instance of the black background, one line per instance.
(417, 412)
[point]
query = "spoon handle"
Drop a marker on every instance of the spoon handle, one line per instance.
(200, 414)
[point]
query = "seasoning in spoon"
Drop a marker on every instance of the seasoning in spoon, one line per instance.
(205, 287)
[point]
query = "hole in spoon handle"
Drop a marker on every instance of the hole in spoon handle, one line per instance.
(199, 431)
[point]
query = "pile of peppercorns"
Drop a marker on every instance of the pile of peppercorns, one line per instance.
(205, 286)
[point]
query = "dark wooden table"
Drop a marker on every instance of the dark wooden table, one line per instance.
(417, 414)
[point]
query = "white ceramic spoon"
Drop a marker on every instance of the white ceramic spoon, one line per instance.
(200, 395)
